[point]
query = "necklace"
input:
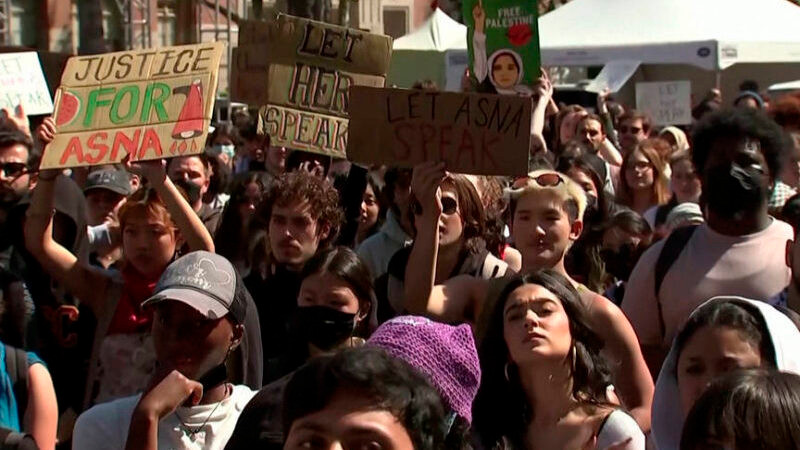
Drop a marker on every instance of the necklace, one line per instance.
(191, 432)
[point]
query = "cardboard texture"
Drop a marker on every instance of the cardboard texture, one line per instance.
(300, 71)
(667, 102)
(23, 83)
(503, 41)
(480, 134)
(154, 103)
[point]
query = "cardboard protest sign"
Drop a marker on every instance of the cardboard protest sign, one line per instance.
(23, 83)
(472, 133)
(300, 71)
(668, 103)
(503, 42)
(150, 104)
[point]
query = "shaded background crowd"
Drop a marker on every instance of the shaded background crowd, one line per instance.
(590, 304)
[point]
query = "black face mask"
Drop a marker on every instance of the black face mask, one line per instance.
(192, 190)
(733, 190)
(324, 327)
(621, 263)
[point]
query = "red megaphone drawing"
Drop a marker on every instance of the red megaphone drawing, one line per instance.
(190, 121)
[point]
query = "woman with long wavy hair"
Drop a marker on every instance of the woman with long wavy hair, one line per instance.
(545, 385)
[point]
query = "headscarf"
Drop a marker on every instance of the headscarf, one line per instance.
(667, 413)
(518, 88)
(681, 142)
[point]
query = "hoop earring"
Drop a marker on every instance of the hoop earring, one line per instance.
(574, 358)
(505, 372)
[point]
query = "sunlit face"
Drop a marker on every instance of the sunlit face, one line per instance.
(451, 224)
(585, 181)
(569, 125)
(189, 168)
(326, 289)
(791, 172)
(535, 326)
(709, 353)
(505, 72)
(189, 342)
(103, 205)
(148, 244)
(591, 132)
(350, 421)
(639, 173)
(541, 229)
(631, 132)
(369, 210)
(685, 182)
(294, 234)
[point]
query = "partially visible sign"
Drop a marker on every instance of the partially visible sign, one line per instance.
(23, 83)
(503, 40)
(150, 104)
(300, 71)
(667, 102)
(472, 133)
(613, 76)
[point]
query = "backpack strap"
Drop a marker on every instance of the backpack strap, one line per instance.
(672, 249)
(17, 367)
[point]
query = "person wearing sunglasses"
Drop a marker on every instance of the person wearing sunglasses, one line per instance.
(449, 207)
(15, 176)
(634, 127)
(547, 210)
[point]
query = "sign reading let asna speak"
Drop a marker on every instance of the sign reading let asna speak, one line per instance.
(480, 134)
(300, 71)
(150, 104)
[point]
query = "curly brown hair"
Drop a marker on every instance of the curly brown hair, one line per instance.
(301, 186)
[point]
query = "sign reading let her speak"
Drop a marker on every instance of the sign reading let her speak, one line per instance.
(149, 104)
(300, 71)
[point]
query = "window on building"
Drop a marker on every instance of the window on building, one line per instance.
(395, 22)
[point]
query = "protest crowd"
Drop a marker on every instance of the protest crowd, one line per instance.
(636, 286)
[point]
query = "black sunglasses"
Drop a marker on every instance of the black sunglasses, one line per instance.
(13, 169)
(449, 206)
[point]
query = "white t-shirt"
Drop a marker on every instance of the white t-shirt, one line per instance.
(711, 264)
(105, 426)
(618, 427)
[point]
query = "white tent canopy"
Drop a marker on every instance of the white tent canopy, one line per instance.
(439, 32)
(710, 34)
(436, 51)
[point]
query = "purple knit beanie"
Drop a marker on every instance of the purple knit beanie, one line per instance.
(445, 353)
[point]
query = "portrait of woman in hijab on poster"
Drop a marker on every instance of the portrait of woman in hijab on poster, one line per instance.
(504, 69)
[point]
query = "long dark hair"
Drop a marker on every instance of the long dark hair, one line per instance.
(345, 264)
(501, 408)
(751, 408)
(229, 241)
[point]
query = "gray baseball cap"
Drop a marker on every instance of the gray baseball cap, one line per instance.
(205, 281)
(113, 180)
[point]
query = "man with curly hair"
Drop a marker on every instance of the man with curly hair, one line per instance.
(301, 216)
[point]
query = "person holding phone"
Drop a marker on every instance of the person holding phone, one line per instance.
(199, 309)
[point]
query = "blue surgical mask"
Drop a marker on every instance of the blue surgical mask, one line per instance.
(228, 149)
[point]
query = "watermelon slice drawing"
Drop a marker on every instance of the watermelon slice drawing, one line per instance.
(68, 108)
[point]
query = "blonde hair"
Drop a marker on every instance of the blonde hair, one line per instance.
(567, 192)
